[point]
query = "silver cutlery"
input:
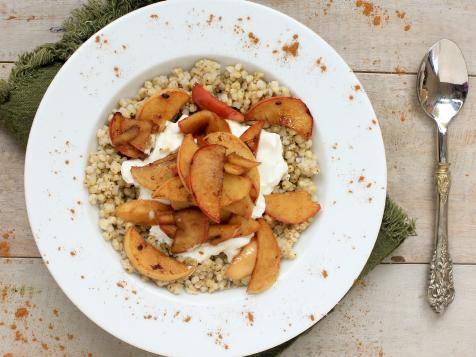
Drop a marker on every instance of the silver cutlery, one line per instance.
(442, 87)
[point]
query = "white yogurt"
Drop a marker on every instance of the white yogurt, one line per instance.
(230, 247)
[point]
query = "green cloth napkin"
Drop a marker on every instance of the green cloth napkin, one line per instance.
(33, 72)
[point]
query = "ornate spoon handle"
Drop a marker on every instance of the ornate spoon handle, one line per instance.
(441, 290)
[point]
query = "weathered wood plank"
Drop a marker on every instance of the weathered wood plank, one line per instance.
(389, 316)
(409, 140)
(53, 326)
(28, 23)
(363, 324)
(365, 46)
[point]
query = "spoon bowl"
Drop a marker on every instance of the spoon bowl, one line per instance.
(442, 83)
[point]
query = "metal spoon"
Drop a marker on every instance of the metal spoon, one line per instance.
(442, 87)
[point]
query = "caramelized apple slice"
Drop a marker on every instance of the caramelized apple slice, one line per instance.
(235, 188)
(154, 174)
(205, 100)
(285, 111)
(178, 205)
(243, 207)
(234, 169)
(206, 179)
(235, 145)
(142, 141)
(252, 135)
(143, 212)
(173, 190)
(203, 121)
(127, 135)
(163, 106)
(150, 261)
(169, 229)
(243, 264)
(221, 232)
(184, 159)
(192, 229)
(238, 160)
(291, 207)
(115, 131)
(268, 258)
(247, 225)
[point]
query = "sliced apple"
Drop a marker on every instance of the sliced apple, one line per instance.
(163, 106)
(238, 160)
(150, 261)
(178, 205)
(127, 135)
(154, 174)
(235, 188)
(143, 212)
(243, 207)
(234, 169)
(291, 207)
(286, 111)
(203, 121)
(169, 229)
(206, 179)
(205, 100)
(184, 158)
(142, 141)
(173, 190)
(268, 257)
(225, 215)
(218, 233)
(235, 145)
(247, 226)
(115, 133)
(244, 263)
(252, 135)
(192, 229)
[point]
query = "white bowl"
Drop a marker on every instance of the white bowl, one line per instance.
(346, 137)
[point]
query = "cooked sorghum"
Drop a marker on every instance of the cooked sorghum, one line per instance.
(238, 88)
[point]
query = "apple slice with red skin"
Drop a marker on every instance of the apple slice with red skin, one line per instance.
(143, 212)
(235, 145)
(206, 179)
(243, 264)
(286, 111)
(184, 159)
(162, 107)
(202, 122)
(268, 258)
(192, 229)
(205, 100)
(151, 262)
(252, 135)
(291, 207)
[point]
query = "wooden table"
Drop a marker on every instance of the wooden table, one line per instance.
(387, 314)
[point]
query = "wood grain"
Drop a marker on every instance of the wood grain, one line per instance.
(365, 46)
(387, 312)
(388, 316)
